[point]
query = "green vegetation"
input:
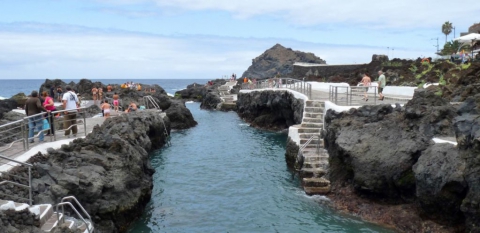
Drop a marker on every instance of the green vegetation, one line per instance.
(465, 66)
(413, 68)
(442, 81)
(438, 93)
(177, 96)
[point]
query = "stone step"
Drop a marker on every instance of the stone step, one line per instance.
(309, 130)
(313, 164)
(313, 115)
(313, 172)
(315, 103)
(316, 182)
(308, 135)
(314, 141)
(312, 125)
(51, 222)
(320, 160)
(314, 109)
(317, 190)
(312, 120)
(224, 88)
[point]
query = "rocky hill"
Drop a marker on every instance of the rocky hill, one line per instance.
(278, 59)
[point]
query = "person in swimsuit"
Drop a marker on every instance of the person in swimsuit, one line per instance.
(105, 108)
(132, 107)
(115, 101)
(109, 88)
(366, 81)
(94, 94)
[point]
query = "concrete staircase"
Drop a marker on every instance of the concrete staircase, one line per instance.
(228, 100)
(46, 218)
(313, 154)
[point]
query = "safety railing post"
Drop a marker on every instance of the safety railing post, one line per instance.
(23, 130)
(336, 94)
(26, 133)
(375, 96)
(30, 185)
(53, 125)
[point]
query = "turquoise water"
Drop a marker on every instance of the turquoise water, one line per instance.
(224, 176)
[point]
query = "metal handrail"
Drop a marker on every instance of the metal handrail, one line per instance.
(289, 83)
(345, 94)
(74, 209)
(300, 150)
(78, 203)
(29, 187)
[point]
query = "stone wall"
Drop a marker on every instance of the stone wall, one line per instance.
(322, 71)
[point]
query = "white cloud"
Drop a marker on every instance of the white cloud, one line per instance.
(381, 14)
(91, 53)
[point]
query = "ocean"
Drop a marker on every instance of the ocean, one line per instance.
(11, 87)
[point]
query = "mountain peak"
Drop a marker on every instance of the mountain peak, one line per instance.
(278, 59)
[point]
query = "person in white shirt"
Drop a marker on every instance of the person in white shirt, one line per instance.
(70, 105)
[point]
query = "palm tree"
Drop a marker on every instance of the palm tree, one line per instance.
(447, 29)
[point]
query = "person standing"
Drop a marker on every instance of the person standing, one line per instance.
(49, 106)
(116, 101)
(381, 84)
(52, 92)
(33, 106)
(59, 93)
(94, 94)
(70, 105)
(366, 81)
(100, 94)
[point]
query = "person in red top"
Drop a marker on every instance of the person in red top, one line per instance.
(49, 105)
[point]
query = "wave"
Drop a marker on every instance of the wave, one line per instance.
(2, 98)
(244, 124)
(170, 95)
(189, 102)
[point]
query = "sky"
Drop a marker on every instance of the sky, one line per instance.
(172, 39)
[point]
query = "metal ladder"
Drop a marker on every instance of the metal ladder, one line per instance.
(66, 202)
(149, 99)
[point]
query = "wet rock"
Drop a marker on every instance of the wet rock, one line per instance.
(273, 110)
(179, 115)
(440, 183)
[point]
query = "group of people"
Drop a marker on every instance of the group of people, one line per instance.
(131, 85)
(233, 77)
(97, 93)
(367, 83)
(35, 106)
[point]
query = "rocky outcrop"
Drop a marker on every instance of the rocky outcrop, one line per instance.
(272, 110)
(278, 60)
(7, 105)
(181, 117)
(208, 94)
(109, 171)
(467, 131)
(84, 88)
(387, 155)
